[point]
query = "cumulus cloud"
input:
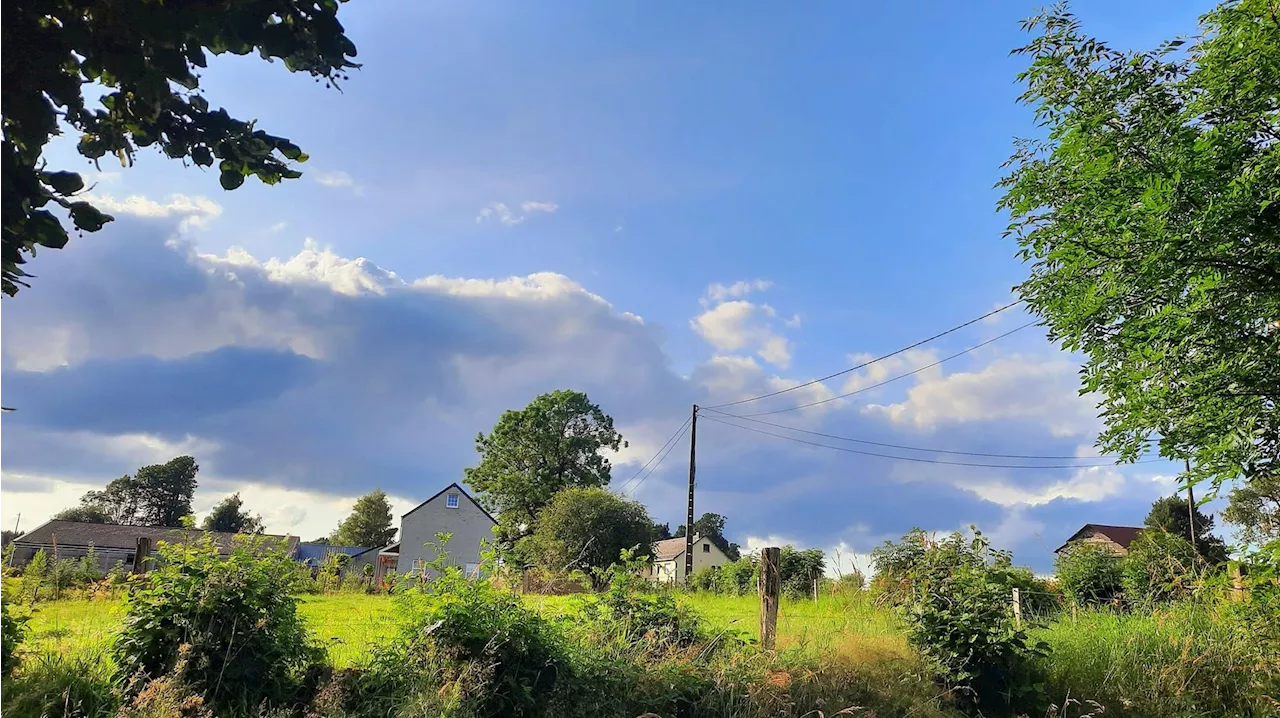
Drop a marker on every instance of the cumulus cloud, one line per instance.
(195, 211)
(504, 215)
(729, 323)
(720, 292)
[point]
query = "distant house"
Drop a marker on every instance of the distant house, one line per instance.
(112, 543)
(1115, 538)
(451, 511)
(668, 558)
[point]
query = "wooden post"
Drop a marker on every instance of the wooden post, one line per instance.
(1237, 583)
(770, 593)
(141, 554)
(815, 590)
(1017, 608)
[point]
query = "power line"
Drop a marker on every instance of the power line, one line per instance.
(869, 362)
(907, 458)
(672, 438)
(891, 380)
(674, 444)
(919, 448)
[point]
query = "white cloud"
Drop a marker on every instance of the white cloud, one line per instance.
(720, 292)
(278, 226)
(893, 366)
(1090, 484)
(507, 217)
(737, 325)
(544, 207)
(1008, 388)
(336, 179)
(195, 211)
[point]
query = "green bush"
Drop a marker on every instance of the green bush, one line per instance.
(894, 562)
(959, 617)
(637, 615)
(1160, 568)
(738, 578)
(233, 620)
(12, 630)
(1089, 573)
(798, 569)
(34, 576)
(706, 579)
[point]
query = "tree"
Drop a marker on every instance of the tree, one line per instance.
(85, 514)
(1150, 217)
(7, 536)
(1160, 567)
(369, 523)
(1255, 508)
(712, 527)
(229, 515)
(555, 442)
(798, 569)
(1169, 514)
(166, 491)
(1089, 573)
(588, 528)
(662, 532)
(147, 57)
(118, 503)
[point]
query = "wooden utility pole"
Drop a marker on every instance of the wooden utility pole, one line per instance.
(770, 593)
(141, 554)
(1191, 507)
(688, 524)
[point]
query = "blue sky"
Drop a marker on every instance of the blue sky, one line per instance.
(658, 204)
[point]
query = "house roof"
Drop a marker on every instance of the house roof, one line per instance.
(1122, 535)
(462, 491)
(669, 549)
(81, 535)
(318, 551)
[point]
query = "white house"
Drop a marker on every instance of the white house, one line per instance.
(450, 511)
(668, 558)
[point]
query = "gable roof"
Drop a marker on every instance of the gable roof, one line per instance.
(1122, 535)
(75, 534)
(462, 491)
(669, 549)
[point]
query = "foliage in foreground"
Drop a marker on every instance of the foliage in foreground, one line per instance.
(1089, 573)
(12, 630)
(232, 621)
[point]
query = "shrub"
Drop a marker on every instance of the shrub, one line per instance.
(706, 579)
(798, 569)
(850, 582)
(1089, 573)
(636, 615)
(12, 630)
(738, 578)
(894, 562)
(958, 615)
(34, 575)
(587, 528)
(1160, 568)
(233, 620)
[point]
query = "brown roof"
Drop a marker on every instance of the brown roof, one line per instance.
(77, 534)
(1123, 535)
(668, 549)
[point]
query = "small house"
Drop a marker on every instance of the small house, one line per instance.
(668, 558)
(1114, 538)
(451, 511)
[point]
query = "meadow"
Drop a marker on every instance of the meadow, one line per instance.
(1171, 662)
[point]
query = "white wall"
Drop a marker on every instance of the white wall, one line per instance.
(468, 523)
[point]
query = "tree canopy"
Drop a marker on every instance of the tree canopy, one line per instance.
(588, 528)
(230, 515)
(1169, 514)
(157, 495)
(1149, 216)
(555, 442)
(147, 56)
(368, 525)
(1255, 508)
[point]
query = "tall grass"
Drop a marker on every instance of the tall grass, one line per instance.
(1184, 660)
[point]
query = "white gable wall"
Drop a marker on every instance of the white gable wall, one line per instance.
(705, 554)
(468, 523)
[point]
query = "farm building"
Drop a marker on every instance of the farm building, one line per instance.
(668, 558)
(451, 511)
(114, 543)
(1115, 538)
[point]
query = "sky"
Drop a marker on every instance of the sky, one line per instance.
(657, 204)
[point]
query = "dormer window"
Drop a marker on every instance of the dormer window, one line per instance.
(451, 501)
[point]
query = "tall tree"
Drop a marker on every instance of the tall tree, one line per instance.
(166, 491)
(1150, 218)
(118, 503)
(555, 442)
(588, 528)
(147, 56)
(712, 526)
(1169, 514)
(230, 515)
(369, 523)
(1255, 508)
(85, 514)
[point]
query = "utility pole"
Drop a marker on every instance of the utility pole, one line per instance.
(688, 524)
(1191, 506)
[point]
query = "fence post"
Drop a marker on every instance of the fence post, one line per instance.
(770, 592)
(1237, 583)
(140, 554)
(1017, 608)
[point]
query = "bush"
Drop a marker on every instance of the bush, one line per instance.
(738, 578)
(798, 569)
(34, 576)
(895, 561)
(12, 630)
(1089, 573)
(851, 582)
(959, 617)
(636, 615)
(233, 621)
(706, 579)
(1160, 568)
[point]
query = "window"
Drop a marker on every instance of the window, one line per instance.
(451, 501)
(706, 548)
(128, 558)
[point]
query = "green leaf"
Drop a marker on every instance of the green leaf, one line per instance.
(289, 150)
(63, 182)
(230, 179)
(87, 217)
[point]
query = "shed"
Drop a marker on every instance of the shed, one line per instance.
(114, 543)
